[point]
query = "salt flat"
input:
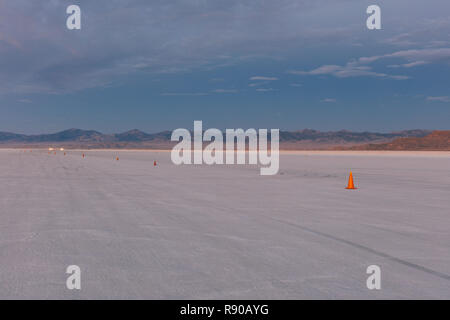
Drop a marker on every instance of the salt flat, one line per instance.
(224, 232)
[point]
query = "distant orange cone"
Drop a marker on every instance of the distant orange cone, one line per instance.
(351, 185)
(83, 155)
(117, 158)
(154, 163)
(64, 153)
(55, 153)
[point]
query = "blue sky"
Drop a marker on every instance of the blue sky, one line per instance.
(288, 64)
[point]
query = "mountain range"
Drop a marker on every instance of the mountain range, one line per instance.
(291, 140)
(435, 141)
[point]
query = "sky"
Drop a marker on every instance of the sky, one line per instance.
(158, 65)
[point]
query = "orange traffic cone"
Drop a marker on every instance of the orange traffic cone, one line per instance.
(83, 155)
(351, 185)
(154, 163)
(117, 158)
(64, 153)
(55, 153)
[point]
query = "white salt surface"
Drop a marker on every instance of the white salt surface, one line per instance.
(224, 232)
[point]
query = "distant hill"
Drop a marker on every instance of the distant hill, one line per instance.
(290, 140)
(313, 139)
(133, 135)
(77, 138)
(435, 141)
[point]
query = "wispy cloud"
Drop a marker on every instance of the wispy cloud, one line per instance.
(328, 100)
(414, 57)
(39, 55)
(262, 78)
(347, 71)
(439, 99)
(360, 67)
(400, 40)
(264, 89)
(189, 94)
(408, 65)
(225, 91)
(258, 84)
